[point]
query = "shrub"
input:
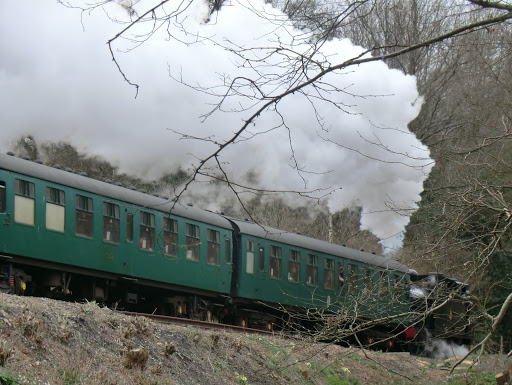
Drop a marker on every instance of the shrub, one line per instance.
(136, 358)
(5, 353)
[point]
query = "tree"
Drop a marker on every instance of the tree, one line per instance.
(464, 203)
(304, 70)
(465, 123)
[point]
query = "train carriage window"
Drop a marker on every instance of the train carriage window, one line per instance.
(147, 231)
(55, 209)
(261, 264)
(275, 262)
(312, 270)
(227, 251)
(84, 216)
(294, 266)
(352, 278)
(213, 247)
(24, 188)
(398, 286)
(111, 223)
(367, 280)
(2, 197)
(399, 280)
(329, 273)
(129, 227)
(192, 242)
(249, 261)
(24, 202)
(383, 284)
(171, 237)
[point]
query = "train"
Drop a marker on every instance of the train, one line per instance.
(67, 236)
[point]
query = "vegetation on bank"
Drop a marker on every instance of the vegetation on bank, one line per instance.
(44, 341)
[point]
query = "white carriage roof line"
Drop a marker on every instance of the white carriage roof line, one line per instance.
(316, 245)
(108, 190)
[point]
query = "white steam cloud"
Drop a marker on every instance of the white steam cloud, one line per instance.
(442, 349)
(58, 82)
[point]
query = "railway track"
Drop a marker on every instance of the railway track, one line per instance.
(204, 324)
(219, 326)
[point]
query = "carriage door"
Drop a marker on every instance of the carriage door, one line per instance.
(5, 269)
(128, 245)
(261, 261)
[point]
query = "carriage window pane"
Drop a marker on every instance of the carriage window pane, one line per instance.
(227, 251)
(170, 225)
(352, 278)
(312, 270)
(249, 257)
(55, 196)
(192, 230)
(367, 280)
(84, 216)
(294, 266)
(24, 202)
(24, 188)
(2, 197)
(111, 222)
(329, 273)
(262, 259)
(398, 291)
(55, 209)
(383, 284)
(171, 237)
(275, 262)
(147, 231)
(129, 227)
(213, 247)
(192, 242)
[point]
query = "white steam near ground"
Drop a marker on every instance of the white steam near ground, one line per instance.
(58, 82)
(442, 349)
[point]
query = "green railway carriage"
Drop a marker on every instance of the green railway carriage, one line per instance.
(73, 227)
(295, 270)
(70, 236)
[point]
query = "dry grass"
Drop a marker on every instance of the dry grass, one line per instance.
(136, 358)
(51, 342)
(6, 351)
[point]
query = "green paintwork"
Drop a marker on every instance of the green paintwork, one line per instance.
(123, 259)
(261, 286)
(126, 259)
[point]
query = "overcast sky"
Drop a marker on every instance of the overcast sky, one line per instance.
(58, 82)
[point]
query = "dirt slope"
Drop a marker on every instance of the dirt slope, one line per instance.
(44, 341)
